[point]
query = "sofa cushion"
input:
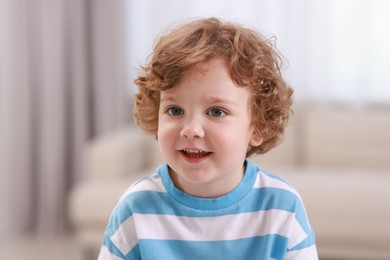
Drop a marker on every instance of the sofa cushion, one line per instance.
(348, 209)
(120, 153)
(347, 137)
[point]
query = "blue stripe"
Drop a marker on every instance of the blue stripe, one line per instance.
(151, 202)
(262, 247)
(134, 254)
(121, 212)
(251, 200)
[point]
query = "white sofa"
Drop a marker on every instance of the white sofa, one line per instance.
(338, 158)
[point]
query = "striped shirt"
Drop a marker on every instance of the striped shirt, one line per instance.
(262, 218)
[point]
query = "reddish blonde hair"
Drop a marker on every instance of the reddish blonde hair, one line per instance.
(252, 60)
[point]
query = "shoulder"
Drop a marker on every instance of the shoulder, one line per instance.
(275, 189)
(150, 183)
(140, 192)
(268, 180)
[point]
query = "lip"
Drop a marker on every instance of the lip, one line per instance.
(194, 155)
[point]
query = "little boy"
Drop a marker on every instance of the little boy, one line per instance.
(213, 95)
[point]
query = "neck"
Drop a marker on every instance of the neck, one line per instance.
(214, 189)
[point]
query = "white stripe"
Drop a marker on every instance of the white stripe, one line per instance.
(125, 237)
(265, 181)
(150, 183)
(309, 253)
(228, 227)
(105, 254)
(297, 234)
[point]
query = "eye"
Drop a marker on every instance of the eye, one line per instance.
(175, 111)
(216, 112)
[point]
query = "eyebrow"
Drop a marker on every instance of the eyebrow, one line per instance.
(212, 99)
(221, 100)
(168, 98)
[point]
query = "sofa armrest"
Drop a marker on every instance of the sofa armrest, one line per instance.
(119, 154)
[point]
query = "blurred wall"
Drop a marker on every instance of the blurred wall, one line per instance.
(335, 51)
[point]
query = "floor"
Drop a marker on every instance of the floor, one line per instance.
(63, 248)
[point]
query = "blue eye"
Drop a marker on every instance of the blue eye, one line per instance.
(216, 112)
(175, 111)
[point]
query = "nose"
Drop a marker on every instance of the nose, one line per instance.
(192, 128)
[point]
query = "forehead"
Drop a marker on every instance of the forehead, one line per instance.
(210, 80)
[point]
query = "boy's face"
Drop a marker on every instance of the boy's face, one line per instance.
(204, 130)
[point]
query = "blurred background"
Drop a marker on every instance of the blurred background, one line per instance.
(66, 72)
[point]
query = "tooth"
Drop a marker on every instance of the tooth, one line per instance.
(193, 151)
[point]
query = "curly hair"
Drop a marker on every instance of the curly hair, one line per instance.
(253, 62)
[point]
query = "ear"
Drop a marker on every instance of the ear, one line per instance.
(256, 139)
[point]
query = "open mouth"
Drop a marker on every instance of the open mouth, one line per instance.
(192, 153)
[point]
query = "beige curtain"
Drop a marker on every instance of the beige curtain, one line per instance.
(63, 81)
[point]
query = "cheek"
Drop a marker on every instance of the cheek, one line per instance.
(164, 142)
(161, 125)
(233, 136)
(166, 133)
(162, 135)
(165, 126)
